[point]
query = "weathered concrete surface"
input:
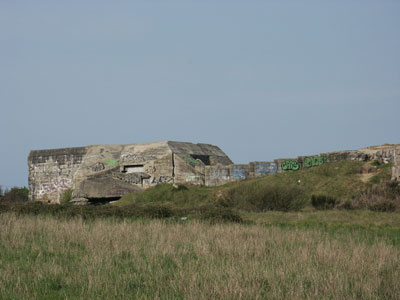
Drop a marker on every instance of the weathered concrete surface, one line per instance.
(51, 172)
(383, 154)
(103, 187)
(217, 175)
(222, 174)
(110, 171)
(396, 165)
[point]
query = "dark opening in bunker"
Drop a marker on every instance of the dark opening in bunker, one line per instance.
(204, 158)
(101, 201)
(133, 169)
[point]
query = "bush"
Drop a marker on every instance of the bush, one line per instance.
(216, 214)
(380, 197)
(376, 163)
(347, 205)
(383, 206)
(258, 198)
(16, 194)
(323, 202)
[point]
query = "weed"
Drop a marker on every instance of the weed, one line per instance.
(66, 197)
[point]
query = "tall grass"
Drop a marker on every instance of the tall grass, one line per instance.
(213, 213)
(46, 258)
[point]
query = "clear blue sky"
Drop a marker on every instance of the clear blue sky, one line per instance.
(260, 79)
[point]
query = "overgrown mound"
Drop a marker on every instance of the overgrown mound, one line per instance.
(328, 186)
(248, 196)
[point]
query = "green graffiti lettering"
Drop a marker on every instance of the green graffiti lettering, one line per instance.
(307, 162)
(314, 161)
(111, 162)
(288, 165)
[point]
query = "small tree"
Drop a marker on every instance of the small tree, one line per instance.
(16, 194)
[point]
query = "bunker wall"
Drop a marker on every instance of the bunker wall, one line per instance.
(51, 172)
(396, 165)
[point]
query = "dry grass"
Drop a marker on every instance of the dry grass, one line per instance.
(45, 258)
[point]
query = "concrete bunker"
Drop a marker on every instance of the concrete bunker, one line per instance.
(104, 173)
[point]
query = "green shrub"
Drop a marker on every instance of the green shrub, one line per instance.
(181, 187)
(216, 214)
(66, 197)
(376, 163)
(17, 194)
(323, 202)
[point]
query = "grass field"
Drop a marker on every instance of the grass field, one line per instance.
(299, 255)
(254, 239)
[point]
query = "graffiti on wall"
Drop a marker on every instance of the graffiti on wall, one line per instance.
(162, 179)
(290, 165)
(111, 162)
(60, 184)
(238, 172)
(192, 178)
(266, 168)
(131, 157)
(314, 161)
(220, 174)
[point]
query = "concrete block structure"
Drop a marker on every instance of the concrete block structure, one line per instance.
(107, 172)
